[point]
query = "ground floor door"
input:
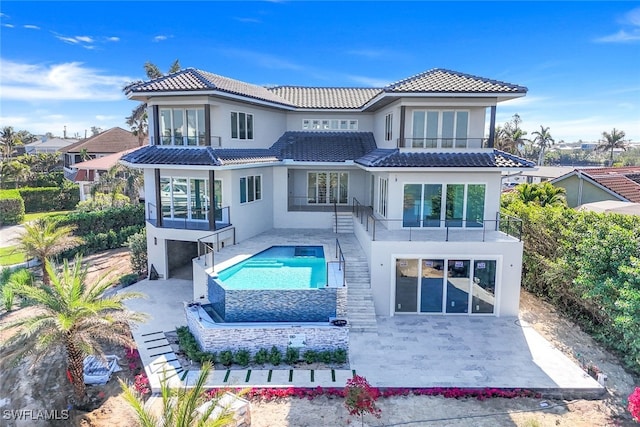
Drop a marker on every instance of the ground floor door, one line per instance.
(448, 286)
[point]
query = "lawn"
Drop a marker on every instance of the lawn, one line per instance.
(10, 256)
(37, 215)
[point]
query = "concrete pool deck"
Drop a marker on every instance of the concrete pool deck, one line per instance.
(406, 351)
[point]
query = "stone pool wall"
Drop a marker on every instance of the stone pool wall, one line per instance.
(253, 337)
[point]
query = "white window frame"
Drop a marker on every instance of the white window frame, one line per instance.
(330, 124)
(328, 188)
(256, 194)
(188, 196)
(440, 123)
(383, 193)
(388, 127)
(249, 125)
(200, 127)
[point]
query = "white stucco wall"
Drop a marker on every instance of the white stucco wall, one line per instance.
(365, 120)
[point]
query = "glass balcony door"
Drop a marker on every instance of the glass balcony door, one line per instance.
(327, 188)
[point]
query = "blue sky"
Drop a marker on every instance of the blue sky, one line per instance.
(64, 63)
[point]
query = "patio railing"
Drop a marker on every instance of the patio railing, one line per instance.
(305, 203)
(341, 264)
(207, 249)
(181, 219)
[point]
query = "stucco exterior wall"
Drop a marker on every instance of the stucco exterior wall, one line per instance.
(580, 191)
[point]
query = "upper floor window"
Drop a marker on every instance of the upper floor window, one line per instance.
(388, 127)
(250, 188)
(382, 197)
(182, 126)
(440, 129)
(329, 124)
(241, 125)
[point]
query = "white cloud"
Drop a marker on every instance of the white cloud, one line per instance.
(625, 35)
(104, 118)
(8, 25)
(85, 39)
(71, 40)
(248, 20)
(368, 53)
(368, 81)
(31, 27)
(65, 81)
(113, 39)
(160, 38)
(3, 15)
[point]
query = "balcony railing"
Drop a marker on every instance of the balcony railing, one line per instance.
(306, 204)
(197, 221)
(186, 141)
(451, 230)
(435, 143)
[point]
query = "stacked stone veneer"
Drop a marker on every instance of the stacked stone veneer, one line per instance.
(253, 337)
(277, 305)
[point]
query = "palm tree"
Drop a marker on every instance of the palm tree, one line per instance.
(510, 137)
(611, 141)
(138, 120)
(543, 140)
(73, 315)
(44, 239)
(544, 194)
(179, 406)
(10, 139)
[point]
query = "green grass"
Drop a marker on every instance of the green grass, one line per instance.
(37, 215)
(9, 256)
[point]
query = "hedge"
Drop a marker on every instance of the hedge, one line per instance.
(11, 207)
(46, 199)
(96, 242)
(103, 221)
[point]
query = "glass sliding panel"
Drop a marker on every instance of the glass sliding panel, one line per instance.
(432, 129)
(258, 184)
(249, 126)
(192, 127)
(201, 128)
(199, 198)
(483, 286)
(462, 124)
(432, 205)
(234, 125)
(165, 126)
(418, 129)
(475, 205)
(406, 286)
(180, 198)
(217, 199)
(411, 205)
(243, 190)
(431, 286)
(165, 197)
(322, 187)
(333, 187)
(455, 205)
(447, 129)
(250, 189)
(178, 124)
(344, 188)
(458, 286)
(242, 122)
(312, 180)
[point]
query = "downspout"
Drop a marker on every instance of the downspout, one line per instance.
(402, 119)
(492, 127)
(580, 180)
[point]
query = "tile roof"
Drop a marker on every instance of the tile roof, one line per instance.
(239, 156)
(623, 181)
(305, 146)
(113, 140)
(395, 158)
(326, 97)
(441, 80)
(433, 81)
(154, 155)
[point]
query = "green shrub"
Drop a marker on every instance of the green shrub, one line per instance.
(339, 356)
(275, 356)
(128, 279)
(226, 357)
(101, 201)
(292, 356)
(325, 356)
(45, 199)
(261, 357)
(11, 207)
(137, 244)
(242, 357)
(310, 356)
(103, 221)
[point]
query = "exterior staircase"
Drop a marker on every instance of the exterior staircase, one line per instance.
(361, 313)
(344, 221)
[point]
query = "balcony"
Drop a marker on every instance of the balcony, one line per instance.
(193, 219)
(443, 143)
(186, 141)
(306, 204)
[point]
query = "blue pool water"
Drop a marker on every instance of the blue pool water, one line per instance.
(279, 267)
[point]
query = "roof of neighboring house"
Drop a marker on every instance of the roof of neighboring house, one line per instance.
(390, 158)
(103, 163)
(49, 144)
(612, 206)
(113, 140)
(620, 181)
(434, 81)
(305, 146)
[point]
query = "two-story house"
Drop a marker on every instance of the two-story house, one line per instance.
(410, 165)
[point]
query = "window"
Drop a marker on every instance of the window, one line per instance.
(440, 129)
(186, 198)
(182, 126)
(388, 127)
(250, 188)
(327, 187)
(241, 125)
(463, 205)
(329, 124)
(382, 196)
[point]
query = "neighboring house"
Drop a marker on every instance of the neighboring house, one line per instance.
(587, 185)
(535, 176)
(410, 159)
(612, 206)
(88, 172)
(48, 145)
(108, 142)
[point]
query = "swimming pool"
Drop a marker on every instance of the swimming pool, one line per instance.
(279, 284)
(279, 267)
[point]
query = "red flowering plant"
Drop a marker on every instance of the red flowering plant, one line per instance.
(360, 398)
(634, 404)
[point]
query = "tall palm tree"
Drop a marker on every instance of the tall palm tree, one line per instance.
(10, 139)
(138, 120)
(544, 140)
(544, 194)
(179, 406)
(611, 141)
(43, 239)
(511, 136)
(73, 315)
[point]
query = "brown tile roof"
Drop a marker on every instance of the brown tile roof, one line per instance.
(433, 81)
(326, 97)
(113, 140)
(618, 180)
(441, 80)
